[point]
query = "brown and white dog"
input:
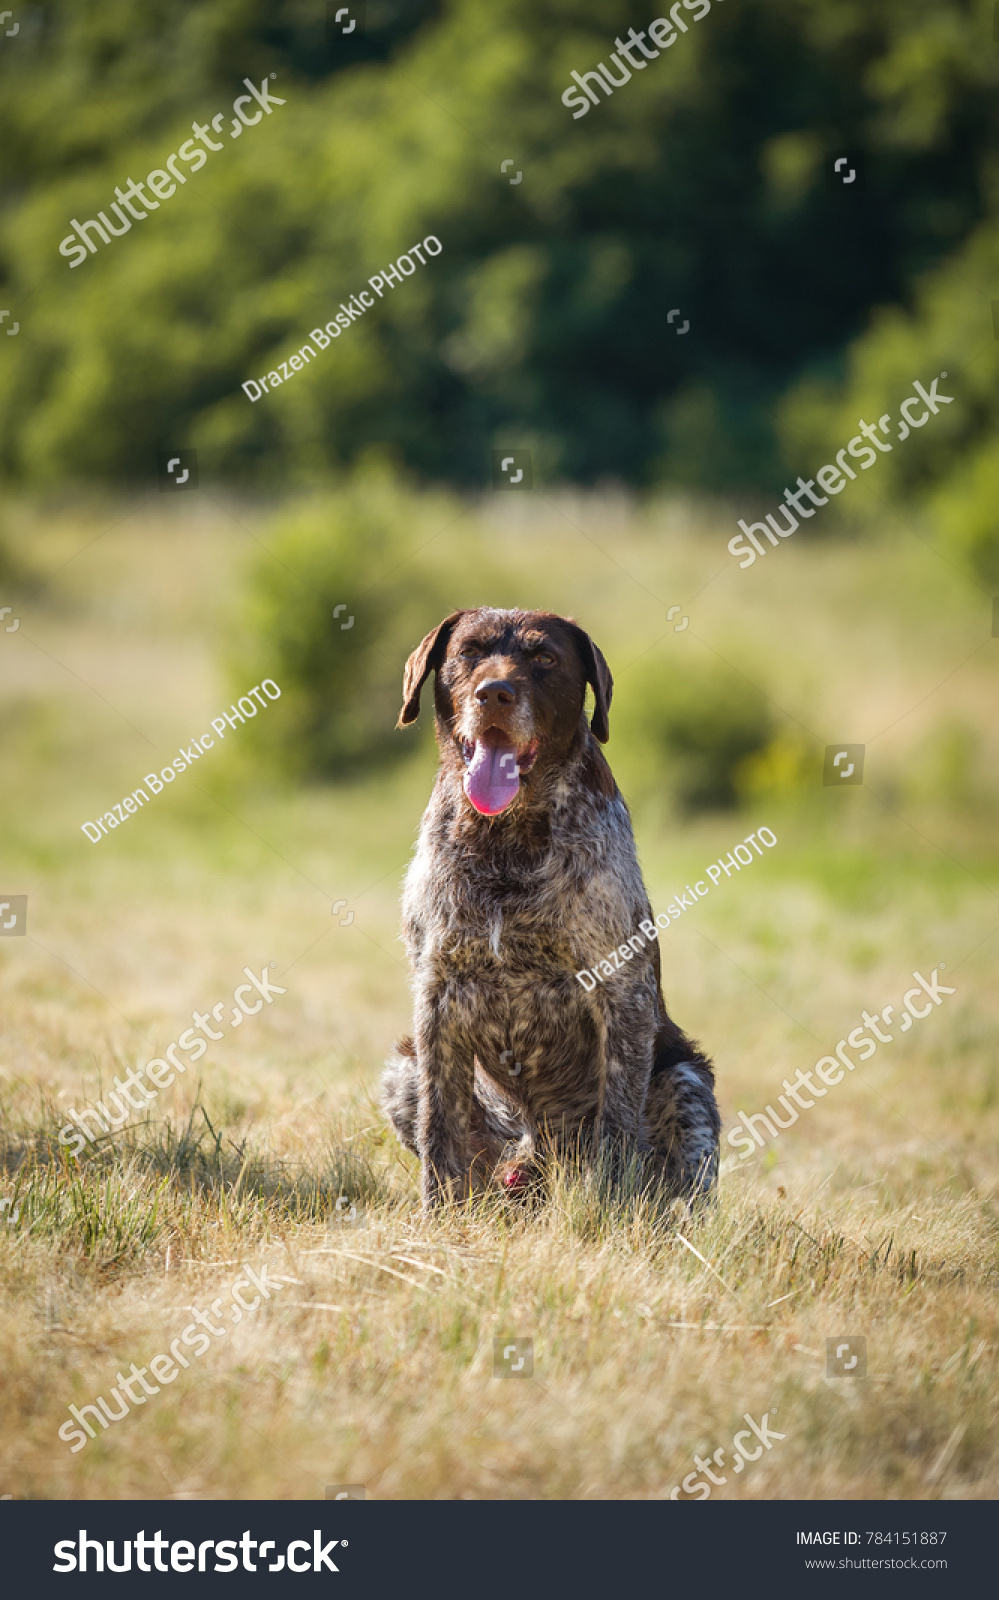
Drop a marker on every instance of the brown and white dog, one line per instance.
(525, 873)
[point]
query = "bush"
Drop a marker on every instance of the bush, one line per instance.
(332, 613)
(686, 733)
(396, 561)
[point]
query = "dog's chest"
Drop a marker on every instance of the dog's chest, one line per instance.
(456, 896)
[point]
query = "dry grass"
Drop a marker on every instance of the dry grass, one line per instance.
(874, 1216)
(374, 1363)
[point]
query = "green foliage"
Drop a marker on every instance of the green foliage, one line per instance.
(950, 466)
(341, 676)
(398, 561)
(787, 768)
(11, 567)
(685, 733)
(702, 184)
(107, 1217)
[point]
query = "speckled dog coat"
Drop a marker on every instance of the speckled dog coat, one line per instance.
(524, 874)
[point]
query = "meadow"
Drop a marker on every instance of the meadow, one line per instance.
(653, 1334)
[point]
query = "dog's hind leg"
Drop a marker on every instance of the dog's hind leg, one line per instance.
(400, 1091)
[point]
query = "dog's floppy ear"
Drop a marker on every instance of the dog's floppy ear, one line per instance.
(426, 658)
(598, 676)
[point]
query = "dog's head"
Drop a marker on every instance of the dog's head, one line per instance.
(510, 691)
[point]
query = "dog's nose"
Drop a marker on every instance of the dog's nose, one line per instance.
(496, 692)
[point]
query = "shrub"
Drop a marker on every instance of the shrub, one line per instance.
(357, 549)
(685, 732)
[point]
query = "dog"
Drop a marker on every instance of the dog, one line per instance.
(525, 872)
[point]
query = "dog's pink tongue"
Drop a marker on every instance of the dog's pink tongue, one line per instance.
(492, 779)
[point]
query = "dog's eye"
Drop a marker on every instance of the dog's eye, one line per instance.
(545, 659)
(469, 651)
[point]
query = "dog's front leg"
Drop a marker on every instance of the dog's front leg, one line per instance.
(446, 1063)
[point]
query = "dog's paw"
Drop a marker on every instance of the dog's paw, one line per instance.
(514, 1179)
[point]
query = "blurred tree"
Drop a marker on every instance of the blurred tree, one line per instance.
(704, 185)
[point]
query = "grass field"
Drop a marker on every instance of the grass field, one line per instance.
(653, 1336)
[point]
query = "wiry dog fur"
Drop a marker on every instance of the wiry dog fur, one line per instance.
(509, 1052)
